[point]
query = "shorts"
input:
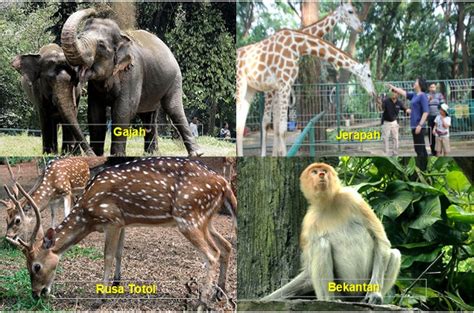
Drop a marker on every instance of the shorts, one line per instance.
(442, 144)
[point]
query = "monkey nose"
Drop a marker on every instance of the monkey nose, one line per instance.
(321, 175)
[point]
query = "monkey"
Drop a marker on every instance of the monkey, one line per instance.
(346, 254)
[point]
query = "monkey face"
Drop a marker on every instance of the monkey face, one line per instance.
(318, 178)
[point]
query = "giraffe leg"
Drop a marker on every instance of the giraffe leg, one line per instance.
(266, 119)
(244, 98)
(281, 121)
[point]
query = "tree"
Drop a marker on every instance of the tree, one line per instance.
(206, 54)
(271, 208)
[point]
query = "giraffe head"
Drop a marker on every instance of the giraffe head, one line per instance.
(362, 72)
(349, 16)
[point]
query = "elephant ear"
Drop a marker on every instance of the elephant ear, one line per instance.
(123, 58)
(28, 65)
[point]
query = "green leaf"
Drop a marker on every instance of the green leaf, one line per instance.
(430, 212)
(365, 186)
(416, 245)
(460, 302)
(457, 181)
(407, 260)
(420, 187)
(456, 213)
(425, 292)
(396, 186)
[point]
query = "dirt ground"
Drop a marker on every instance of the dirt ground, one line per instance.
(159, 256)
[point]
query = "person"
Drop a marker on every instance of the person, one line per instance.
(435, 100)
(194, 127)
(391, 107)
(442, 123)
(418, 115)
(225, 132)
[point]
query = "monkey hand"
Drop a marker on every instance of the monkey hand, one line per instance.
(373, 298)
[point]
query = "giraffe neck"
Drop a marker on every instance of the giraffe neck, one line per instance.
(326, 51)
(323, 26)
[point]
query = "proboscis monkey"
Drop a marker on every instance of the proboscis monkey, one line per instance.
(346, 253)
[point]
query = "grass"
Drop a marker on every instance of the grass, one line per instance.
(24, 145)
(77, 251)
(15, 286)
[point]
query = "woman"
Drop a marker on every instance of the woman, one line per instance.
(418, 116)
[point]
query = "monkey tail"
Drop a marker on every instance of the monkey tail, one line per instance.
(230, 202)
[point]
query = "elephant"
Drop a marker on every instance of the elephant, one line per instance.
(133, 73)
(53, 87)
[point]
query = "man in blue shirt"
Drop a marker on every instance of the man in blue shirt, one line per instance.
(418, 116)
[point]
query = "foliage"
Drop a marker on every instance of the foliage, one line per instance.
(22, 30)
(206, 54)
(403, 39)
(428, 216)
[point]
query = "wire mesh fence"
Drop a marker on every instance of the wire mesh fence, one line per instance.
(349, 108)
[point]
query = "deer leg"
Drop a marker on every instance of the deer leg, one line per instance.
(118, 259)
(225, 248)
(67, 204)
(112, 236)
(198, 238)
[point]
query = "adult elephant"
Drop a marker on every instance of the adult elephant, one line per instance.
(52, 85)
(132, 73)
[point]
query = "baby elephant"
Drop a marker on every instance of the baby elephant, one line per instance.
(52, 85)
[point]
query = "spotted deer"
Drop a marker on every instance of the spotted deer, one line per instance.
(62, 179)
(146, 192)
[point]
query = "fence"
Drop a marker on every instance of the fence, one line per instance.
(348, 107)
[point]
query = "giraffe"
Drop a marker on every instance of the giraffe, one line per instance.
(272, 64)
(344, 13)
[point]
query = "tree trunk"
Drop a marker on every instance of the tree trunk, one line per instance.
(212, 117)
(310, 71)
(462, 41)
(271, 209)
(459, 38)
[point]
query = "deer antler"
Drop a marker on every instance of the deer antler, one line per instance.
(12, 177)
(14, 197)
(37, 214)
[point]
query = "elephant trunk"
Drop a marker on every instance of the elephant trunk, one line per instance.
(75, 50)
(67, 102)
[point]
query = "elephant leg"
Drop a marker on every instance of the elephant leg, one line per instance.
(173, 105)
(149, 122)
(54, 134)
(97, 119)
(47, 127)
(121, 117)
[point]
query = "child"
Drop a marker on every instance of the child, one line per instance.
(441, 130)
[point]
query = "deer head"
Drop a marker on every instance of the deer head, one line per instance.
(41, 272)
(17, 220)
